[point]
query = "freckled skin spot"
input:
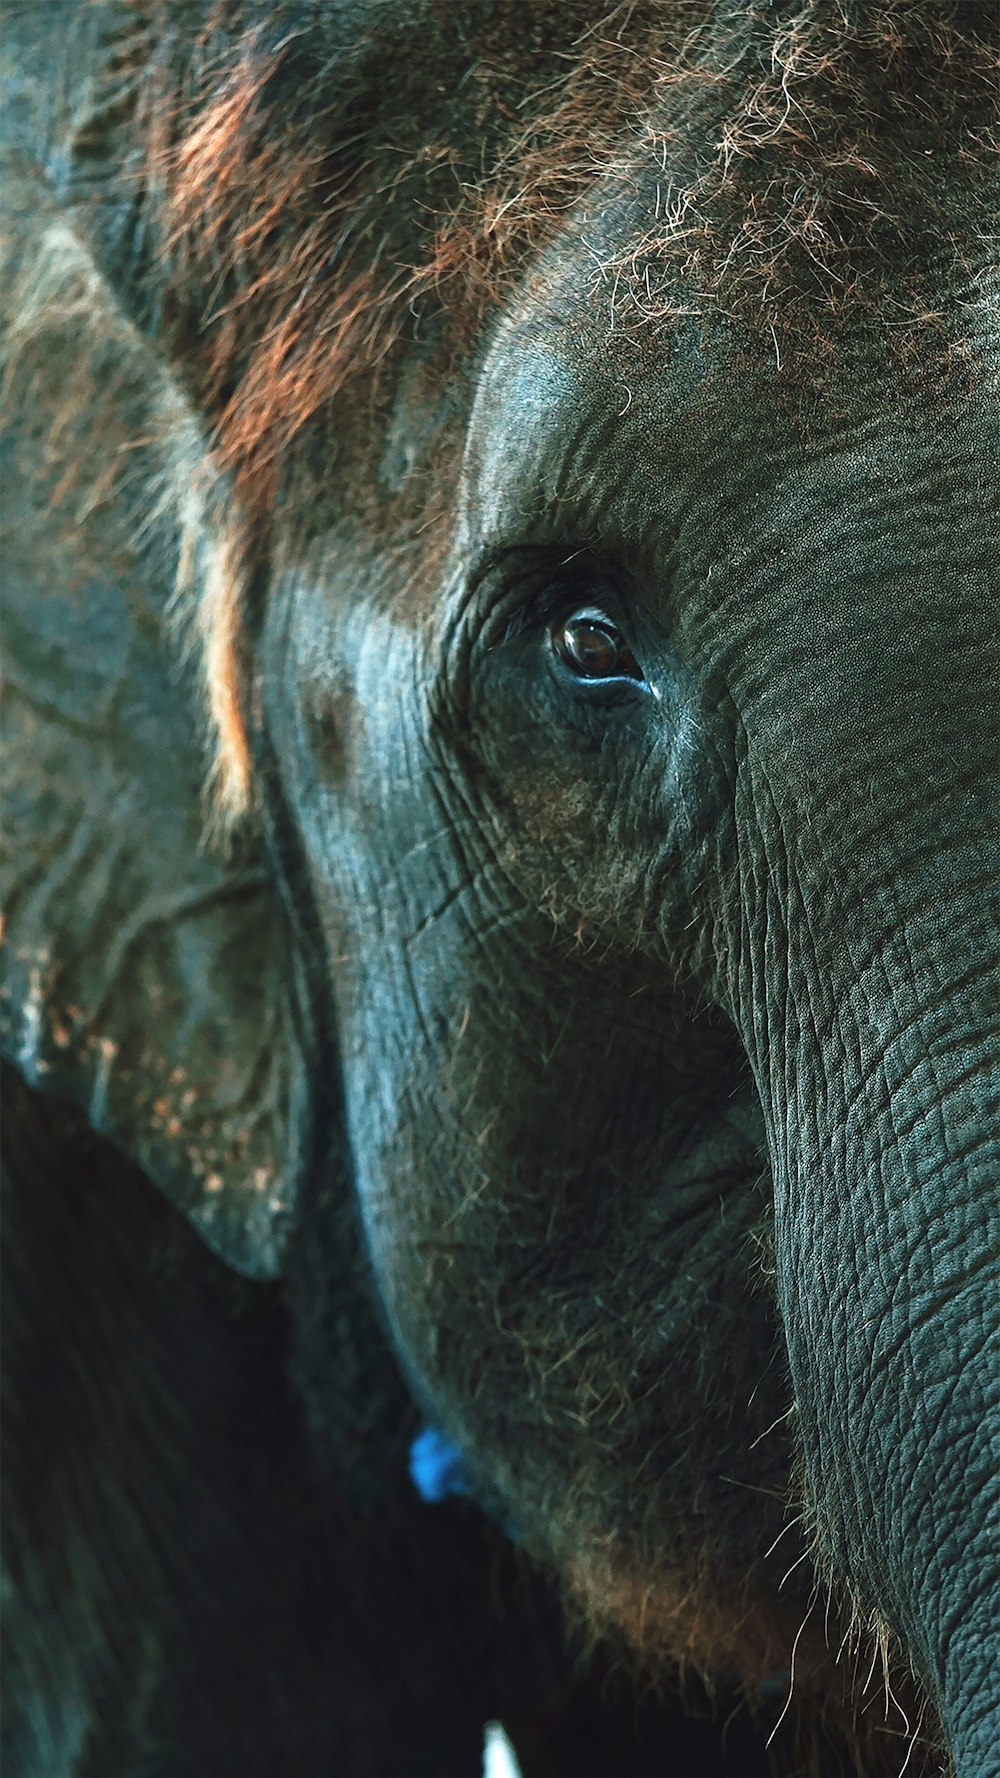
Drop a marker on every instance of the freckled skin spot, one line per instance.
(548, 810)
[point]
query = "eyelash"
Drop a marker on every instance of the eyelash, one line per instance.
(550, 600)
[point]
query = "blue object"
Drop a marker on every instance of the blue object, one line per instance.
(437, 1467)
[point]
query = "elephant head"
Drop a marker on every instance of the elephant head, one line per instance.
(576, 444)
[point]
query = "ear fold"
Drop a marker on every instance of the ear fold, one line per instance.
(145, 974)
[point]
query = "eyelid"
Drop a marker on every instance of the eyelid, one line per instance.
(518, 596)
(554, 602)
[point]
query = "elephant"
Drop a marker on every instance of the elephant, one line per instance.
(503, 886)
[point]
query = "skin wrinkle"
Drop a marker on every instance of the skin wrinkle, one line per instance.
(863, 1077)
(892, 1089)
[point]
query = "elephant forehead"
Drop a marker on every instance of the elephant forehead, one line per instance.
(569, 443)
(594, 418)
(771, 258)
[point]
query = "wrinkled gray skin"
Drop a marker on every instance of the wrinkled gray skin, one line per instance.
(666, 1002)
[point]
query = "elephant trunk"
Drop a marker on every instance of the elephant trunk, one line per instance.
(872, 1019)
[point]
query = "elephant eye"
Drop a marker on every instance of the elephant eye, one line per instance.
(592, 647)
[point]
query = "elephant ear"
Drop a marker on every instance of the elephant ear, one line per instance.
(146, 972)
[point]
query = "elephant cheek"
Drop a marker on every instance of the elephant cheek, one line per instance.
(579, 1437)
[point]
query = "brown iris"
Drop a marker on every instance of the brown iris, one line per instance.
(592, 646)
